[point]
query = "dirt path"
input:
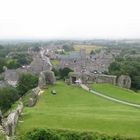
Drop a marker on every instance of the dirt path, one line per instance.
(109, 98)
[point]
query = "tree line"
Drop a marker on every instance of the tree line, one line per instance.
(9, 95)
(127, 66)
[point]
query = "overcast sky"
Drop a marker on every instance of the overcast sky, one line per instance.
(68, 19)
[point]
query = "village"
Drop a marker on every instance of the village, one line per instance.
(87, 68)
(69, 70)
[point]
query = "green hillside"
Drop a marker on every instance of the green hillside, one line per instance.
(117, 92)
(2, 137)
(73, 108)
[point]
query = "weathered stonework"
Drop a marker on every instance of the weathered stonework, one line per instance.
(9, 124)
(46, 77)
(124, 81)
(31, 102)
(35, 91)
(33, 99)
(86, 78)
(101, 78)
(91, 78)
(42, 80)
(50, 77)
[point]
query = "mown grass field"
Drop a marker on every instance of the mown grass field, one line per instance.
(88, 48)
(2, 137)
(117, 92)
(73, 108)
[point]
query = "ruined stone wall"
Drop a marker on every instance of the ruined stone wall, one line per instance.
(124, 81)
(86, 78)
(46, 77)
(9, 123)
(34, 97)
(91, 78)
(101, 78)
(42, 80)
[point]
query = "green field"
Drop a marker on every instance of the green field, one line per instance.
(72, 108)
(55, 62)
(117, 92)
(88, 48)
(2, 137)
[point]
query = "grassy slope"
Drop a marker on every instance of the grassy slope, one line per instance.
(117, 92)
(74, 108)
(2, 137)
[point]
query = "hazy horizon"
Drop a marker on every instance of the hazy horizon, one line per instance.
(69, 19)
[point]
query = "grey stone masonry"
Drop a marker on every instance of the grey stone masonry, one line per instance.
(124, 81)
(9, 124)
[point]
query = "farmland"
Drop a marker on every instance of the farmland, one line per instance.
(88, 48)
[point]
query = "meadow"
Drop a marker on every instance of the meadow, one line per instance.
(73, 108)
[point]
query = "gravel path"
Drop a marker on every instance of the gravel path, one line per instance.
(109, 98)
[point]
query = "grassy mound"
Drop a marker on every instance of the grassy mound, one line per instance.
(73, 108)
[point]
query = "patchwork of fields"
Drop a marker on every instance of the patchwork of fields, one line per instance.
(72, 108)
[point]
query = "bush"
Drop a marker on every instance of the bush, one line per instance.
(68, 47)
(26, 82)
(8, 96)
(64, 72)
(127, 66)
(41, 134)
(22, 59)
(2, 63)
(12, 64)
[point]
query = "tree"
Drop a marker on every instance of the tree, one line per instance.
(12, 64)
(115, 68)
(92, 52)
(26, 82)
(8, 96)
(68, 48)
(2, 63)
(36, 48)
(56, 72)
(64, 72)
(128, 66)
(22, 59)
